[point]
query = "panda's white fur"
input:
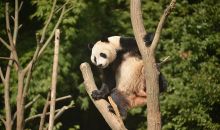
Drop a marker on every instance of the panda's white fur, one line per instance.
(130, 80)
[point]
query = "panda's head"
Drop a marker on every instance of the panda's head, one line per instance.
(104, 52)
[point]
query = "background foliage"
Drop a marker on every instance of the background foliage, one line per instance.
(191, 38)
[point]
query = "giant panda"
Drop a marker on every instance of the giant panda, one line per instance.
(122, 72)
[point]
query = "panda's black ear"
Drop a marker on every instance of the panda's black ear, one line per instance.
(104, 39)
(148, 39)
(90, 46)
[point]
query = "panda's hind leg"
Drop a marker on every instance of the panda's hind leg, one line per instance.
(121, 101)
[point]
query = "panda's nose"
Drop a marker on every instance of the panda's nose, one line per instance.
(99, 65)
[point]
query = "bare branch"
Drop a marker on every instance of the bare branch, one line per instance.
(54, 79)
(52, 33)
(39, 115)
(2, 119)
(101, 105)
(7, 21)
(6, 58)
(15, 33)
(26, 106)
(48, 40)
(42, 117)
(161, 23)
(21, 4)
(8, 29)
(163, 61)
(45, 109)
(7, 96)
(47, 22)
(63, 98)
(5, 44)
(150, 66)
(63, 109)
(2, 76)
(32, 102)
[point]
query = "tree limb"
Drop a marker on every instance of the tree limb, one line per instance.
(150, 66)
(101, 105)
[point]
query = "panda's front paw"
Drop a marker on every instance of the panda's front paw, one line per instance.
(96, 95)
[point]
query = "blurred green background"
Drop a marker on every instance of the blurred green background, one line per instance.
(191, 37)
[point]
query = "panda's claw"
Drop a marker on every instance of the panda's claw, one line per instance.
(96, 95)
(110, 108)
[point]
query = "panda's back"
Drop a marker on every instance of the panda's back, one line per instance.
(130, 74)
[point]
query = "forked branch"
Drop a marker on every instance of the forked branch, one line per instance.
(150, 66)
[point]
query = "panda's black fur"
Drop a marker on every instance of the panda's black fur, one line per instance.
(128, 46)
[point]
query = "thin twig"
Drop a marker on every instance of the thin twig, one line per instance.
(48, 21)
(39, 115)
(63, 98)
(11, 39)
(7, 21)
(5, 43)
(21, 4)
(2, 119)
(52, 33)
(48, 40)
(42, 117)
(165, 60)
(7, 58)
(2, 76)
(63, 109)
(32, 102)
(15, 33)
(26, 106)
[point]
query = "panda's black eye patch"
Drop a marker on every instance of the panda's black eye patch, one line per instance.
(95, 59)
(103, 55)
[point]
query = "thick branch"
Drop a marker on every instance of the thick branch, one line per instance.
(101, 105)
(54, 79)
(138, 24)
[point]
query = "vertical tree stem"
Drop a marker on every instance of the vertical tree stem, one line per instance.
(54, 79)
